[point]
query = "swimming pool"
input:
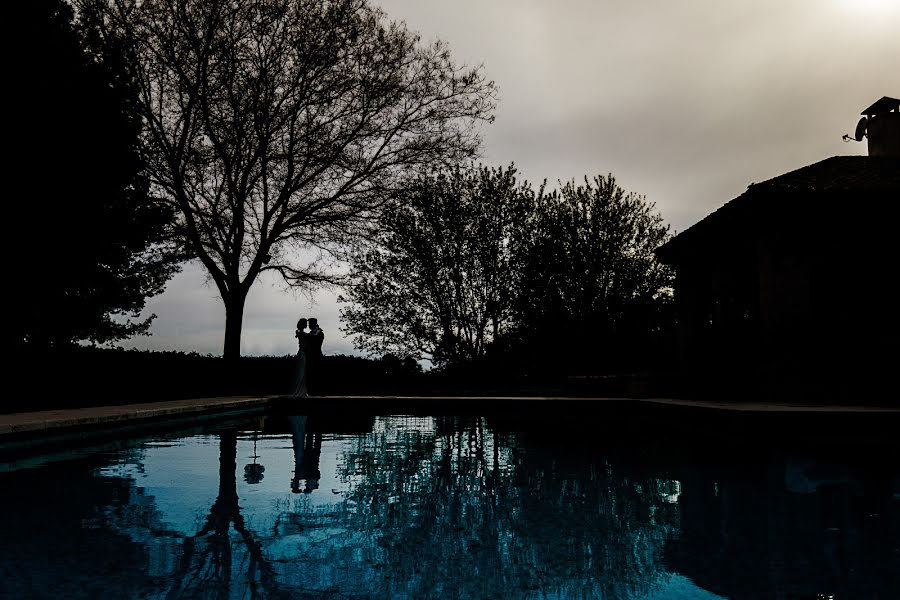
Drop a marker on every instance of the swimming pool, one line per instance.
(446, 507)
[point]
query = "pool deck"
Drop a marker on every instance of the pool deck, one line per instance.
(50, 421)
(53, 421)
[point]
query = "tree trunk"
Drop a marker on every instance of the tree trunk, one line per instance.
(228, 470)
(234, 322)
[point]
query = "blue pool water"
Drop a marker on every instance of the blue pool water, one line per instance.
(445, 507)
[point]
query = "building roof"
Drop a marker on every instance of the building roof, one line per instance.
(883, 105)
(842, 173)
(869, 174)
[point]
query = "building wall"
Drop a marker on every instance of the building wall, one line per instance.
(791, 296)
(884, 135)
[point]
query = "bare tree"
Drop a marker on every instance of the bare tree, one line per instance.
(275, 126)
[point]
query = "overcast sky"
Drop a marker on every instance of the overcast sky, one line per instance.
(685, 101)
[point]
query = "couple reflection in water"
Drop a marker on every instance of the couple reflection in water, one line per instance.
(309, 354)
(307, 448)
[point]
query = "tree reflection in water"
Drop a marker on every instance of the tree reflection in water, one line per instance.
(449, 508)
(436, 508)
(205, 565)
(466, 514)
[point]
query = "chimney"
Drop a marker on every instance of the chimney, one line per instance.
(883, 127)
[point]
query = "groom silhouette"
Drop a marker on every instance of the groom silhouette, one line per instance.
(315, 338)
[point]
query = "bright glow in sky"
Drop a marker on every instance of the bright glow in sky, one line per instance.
(875, 8)
(686, 102)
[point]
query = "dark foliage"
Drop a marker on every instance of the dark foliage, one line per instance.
(82, 376)
(83, 237)
(90, 376)
(481, 274)
(592, 297)
(439, 281)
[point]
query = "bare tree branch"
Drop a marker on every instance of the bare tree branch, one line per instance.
(272, 122)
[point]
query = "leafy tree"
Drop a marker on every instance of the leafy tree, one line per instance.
(439, 280)
(275, 127)
(588, 273)
(471, 261)
(87, 244)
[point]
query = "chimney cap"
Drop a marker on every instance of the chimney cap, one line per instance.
(885, 104)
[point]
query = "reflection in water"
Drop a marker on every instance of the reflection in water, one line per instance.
(504, 522)
(206, 563)
(443, 507)
(253, 472)
(307, 448)
(807, 526)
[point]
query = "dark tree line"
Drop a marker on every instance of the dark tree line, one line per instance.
(473, 264)
(87, 243)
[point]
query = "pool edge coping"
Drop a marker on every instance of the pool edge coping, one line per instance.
(49, 421)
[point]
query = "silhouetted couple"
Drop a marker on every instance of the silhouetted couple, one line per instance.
(307, 448)
(309, 355)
